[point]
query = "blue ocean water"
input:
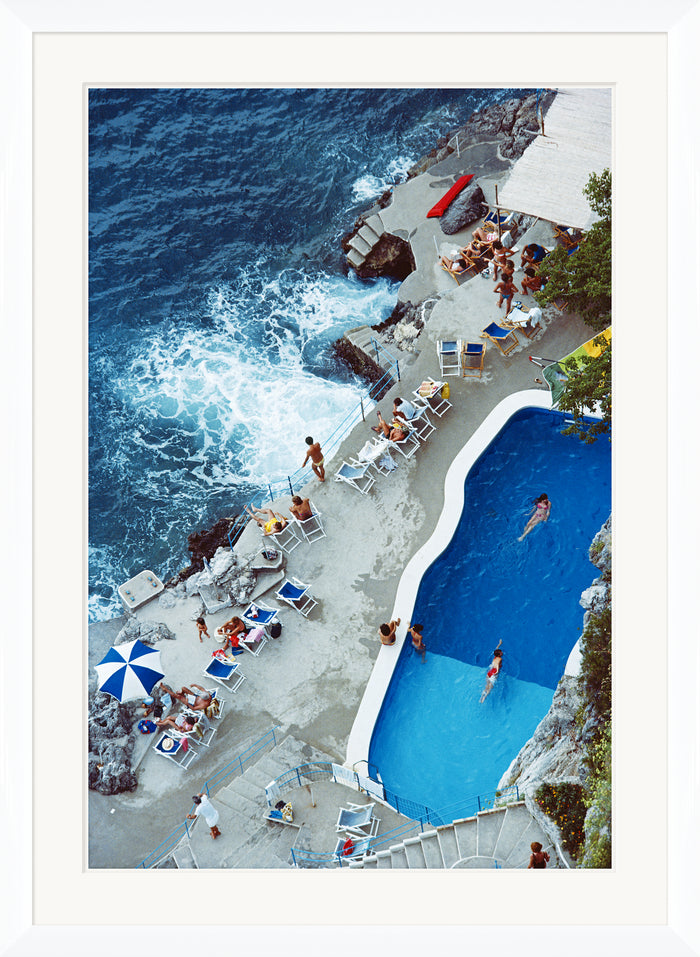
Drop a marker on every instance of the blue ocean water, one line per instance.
(433, 741)
(216, 286)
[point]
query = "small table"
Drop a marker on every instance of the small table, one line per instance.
(140, 589)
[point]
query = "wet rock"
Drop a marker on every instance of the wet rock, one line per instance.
(390, 257)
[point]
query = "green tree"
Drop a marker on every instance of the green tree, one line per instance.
(584, 281)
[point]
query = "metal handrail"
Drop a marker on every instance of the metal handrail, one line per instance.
(182, 830)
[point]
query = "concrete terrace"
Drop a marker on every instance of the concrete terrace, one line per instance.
(311, 680)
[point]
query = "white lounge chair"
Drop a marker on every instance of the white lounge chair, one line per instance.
(359, 849)
(356, 475)
(433, 400)
(358, 819)
(406, 447)
(252, 644)
(287, 539)
(311, 528)
(203, 731)
(296, 594)
(448, 351)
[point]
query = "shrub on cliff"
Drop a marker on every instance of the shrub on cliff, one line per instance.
(596, 666)
(564, 804)
(597, 850)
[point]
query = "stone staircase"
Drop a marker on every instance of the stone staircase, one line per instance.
(499, 837)
(247, 839)
(361, 338)
(365, 239)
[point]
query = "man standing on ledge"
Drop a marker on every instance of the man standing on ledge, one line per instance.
(316, 455)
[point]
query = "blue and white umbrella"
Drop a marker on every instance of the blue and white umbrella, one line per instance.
(129, 670)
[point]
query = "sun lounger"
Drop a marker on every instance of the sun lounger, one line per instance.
(311, 528)
(448, 356)
(176, 749)
(258, 615)
(295, 593)
(357, 819)
(428, 396)
(227, 675)
(472, 359)
(505, 339)
(356, 475)
(287, 539)
(360, 846)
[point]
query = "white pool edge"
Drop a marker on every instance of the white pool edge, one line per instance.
(406, 593)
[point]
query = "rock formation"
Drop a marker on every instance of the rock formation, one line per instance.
(556, 751)
(149, 632)
(110, 744)
(391, 257)
(465, 208)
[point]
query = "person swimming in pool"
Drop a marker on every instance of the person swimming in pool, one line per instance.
(493, 672)
(540, 513)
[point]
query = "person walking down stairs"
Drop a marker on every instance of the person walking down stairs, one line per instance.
(207, 810)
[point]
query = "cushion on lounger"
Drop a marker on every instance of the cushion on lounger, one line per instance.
(440, 207)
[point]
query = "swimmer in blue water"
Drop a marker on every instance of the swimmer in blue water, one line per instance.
(493, 672)
(540, 513)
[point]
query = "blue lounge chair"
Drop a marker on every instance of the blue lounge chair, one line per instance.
(172, 747)
(296, 594)
(226, 675)
(472, 359)
(356, 475)
(505, 339)
(258, 615)
(496, 219)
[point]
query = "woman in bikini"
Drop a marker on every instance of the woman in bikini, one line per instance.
(540, 513)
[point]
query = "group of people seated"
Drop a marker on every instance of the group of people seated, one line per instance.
(272, 523)
(399, 428)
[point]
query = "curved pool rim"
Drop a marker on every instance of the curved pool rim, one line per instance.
(407, 591)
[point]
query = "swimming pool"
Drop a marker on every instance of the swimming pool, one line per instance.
(433, 741)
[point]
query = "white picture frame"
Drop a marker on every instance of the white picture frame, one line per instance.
(21, 22)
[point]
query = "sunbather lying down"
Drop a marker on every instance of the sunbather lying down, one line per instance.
(396, 432)
(453, 265)
(270, 522)
(197, 700)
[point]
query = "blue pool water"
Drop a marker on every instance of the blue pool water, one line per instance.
(433, 742)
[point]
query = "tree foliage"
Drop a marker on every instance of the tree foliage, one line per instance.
(596, 664)
(589, 385)
(584, 281)
(584, 278)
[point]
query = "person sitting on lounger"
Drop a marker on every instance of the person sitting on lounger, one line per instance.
(387, 631)
(396, 432)
(405, 410)
(194, 700)
(300, 508)
(453, 265)
(234, 626)
(181, 722)
(531, 281)
(483, 236)
(271, 525)
(493, 672)
(532, 254)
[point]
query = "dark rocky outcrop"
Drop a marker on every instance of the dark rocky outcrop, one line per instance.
(110, 744)
(391, 257)
(203, 545)
(465, 208)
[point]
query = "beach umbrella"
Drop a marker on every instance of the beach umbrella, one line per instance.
(129, 670)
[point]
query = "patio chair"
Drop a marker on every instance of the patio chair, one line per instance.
(472, 359)
(505, 339)
(494, 219)
(287, 539)
(381, 462)
(175, 749)
(215, 711)
(455, 273)
(356, 475)
(358, 819)
(448, 356)
(421, 424)
(227, 675)
(311, 528)
(252, 643)
(296, 593)
(569, 237)
(432, 402)
(407, 447)
(359, 848)
(203, 731)
(258, 615)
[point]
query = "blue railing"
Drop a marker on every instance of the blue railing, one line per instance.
(421, 815)
(292, 483)
(236, 765)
